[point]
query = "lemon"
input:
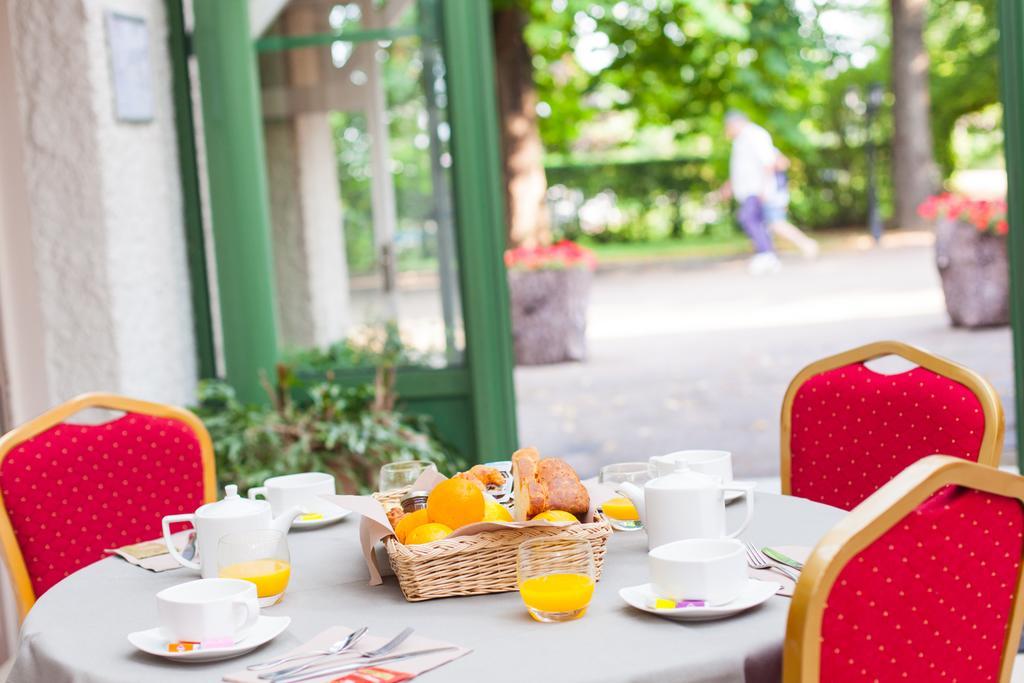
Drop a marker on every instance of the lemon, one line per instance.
(496, 512)
(557, 516)
(409, 522)
(427, 533)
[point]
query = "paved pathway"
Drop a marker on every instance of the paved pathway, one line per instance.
(690, 358)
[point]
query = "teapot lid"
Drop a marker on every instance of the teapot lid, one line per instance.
(232, 505)
(684, 478)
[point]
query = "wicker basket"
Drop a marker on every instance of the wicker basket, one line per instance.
(478, 564)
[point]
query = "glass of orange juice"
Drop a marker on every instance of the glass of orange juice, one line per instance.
(260, 557)
(556, 578)
(620, 512)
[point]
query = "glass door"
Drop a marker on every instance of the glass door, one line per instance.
(359, 166)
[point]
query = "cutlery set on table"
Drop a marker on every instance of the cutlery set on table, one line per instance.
(339, 658)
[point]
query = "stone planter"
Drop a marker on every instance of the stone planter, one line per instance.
(549, 314)
(975, 274)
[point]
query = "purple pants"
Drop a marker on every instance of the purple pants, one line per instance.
(751, 219)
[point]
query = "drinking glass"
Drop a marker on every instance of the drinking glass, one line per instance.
(400, 475)
(619, 510)
(556, 578)
(260, 557)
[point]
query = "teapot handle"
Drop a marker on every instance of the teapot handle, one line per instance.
(166, 523)
(748, 493)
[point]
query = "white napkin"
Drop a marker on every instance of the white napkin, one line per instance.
(800, 553)
(152, 555)
(413, 667)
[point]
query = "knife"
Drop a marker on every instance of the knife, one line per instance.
(351, 666)
(783, 558)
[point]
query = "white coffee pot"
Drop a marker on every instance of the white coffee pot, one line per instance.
(231, 515)
(685, 504)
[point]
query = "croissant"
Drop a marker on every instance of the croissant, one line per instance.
(546, 484)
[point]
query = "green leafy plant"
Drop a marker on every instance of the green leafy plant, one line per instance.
(347, 431)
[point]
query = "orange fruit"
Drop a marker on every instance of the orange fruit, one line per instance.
(455, 503)
(409, 522)
(427, 533)
(557, 516)
(496, 512)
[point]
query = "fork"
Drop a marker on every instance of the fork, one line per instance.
(334, 649)
(371, 654)
(758, 560)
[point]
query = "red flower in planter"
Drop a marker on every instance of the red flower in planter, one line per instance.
(986, 215)
(564, 254)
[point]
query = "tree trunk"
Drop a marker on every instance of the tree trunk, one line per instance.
(522, 153)
(915, 175)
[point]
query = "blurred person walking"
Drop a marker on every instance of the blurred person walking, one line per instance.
(776, 211)
(752, 181)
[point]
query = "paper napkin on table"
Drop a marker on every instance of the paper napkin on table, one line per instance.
(409, 668)
(800, 553)
(153, 555)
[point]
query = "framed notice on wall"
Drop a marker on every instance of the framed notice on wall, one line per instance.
(130, 71)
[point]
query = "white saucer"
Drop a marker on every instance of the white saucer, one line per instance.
(155, 642)
(756, 592)
(331, 513)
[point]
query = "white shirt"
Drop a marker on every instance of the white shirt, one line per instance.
(753, 154)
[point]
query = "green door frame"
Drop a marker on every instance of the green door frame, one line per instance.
(481, 393)
(1011, 33)
(239, 199)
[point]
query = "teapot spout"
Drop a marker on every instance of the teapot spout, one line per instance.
(635, 495)
(283, 522)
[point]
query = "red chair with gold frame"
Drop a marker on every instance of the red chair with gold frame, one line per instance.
(847, 429)
(69, 491)
(920, 582)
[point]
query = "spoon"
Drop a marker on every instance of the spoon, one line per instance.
(335, 648)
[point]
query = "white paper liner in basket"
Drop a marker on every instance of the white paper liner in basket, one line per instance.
(374, 525)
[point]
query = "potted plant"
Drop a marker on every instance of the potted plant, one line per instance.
(970, 252)
(549, 288)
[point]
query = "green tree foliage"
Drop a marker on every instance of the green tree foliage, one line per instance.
(675, 67)
(963, 40)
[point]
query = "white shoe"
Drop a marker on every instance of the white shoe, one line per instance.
(764, 263)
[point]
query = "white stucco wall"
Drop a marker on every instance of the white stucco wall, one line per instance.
(105, 208)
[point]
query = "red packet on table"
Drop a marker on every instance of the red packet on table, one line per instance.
(374, 675)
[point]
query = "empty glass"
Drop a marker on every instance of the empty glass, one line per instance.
(556, 577)
(260, 557)
(402, 475)
(619, 510)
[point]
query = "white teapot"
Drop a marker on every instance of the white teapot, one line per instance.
(227, 516)
(685, 504)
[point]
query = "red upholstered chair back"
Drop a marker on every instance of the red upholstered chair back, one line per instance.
(71, 491)
(921, 582)
(847, 429)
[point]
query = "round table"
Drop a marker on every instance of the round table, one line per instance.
(76, 631)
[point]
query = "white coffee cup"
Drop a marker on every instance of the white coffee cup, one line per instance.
(712, 570)
(713, 463)
(303, 490)
(208, 609)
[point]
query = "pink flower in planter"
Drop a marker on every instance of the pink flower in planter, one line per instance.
(986, 215)
(564, 254)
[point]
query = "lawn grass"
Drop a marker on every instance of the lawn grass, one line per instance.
(670, 249)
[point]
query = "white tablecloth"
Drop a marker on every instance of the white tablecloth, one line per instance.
(76, 632)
